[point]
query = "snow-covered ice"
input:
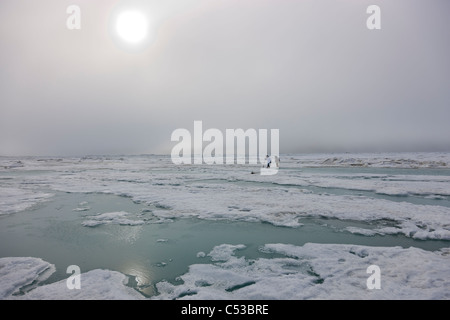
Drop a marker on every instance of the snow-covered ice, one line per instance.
(111, 218)
(18, 273)
(316, 271)
(96, 284)
(16, 199)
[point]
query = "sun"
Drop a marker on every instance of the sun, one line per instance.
(132, 26)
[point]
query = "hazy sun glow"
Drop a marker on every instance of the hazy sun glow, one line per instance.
(132, 26)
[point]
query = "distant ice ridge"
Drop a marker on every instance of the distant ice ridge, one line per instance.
(378, 160)
(374, 160)
(315, 271)
(16, 199)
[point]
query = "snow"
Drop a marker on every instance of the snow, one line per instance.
(362, 231)
(16, 273)
(96, 284)
(316, 271)
(81, 209)
(111, 218)
(223, 252)
(395, 185)
(20, 273)
(16, 199)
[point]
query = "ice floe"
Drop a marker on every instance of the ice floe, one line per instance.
(98, 284)
(16, 199)
(316, 271)
(19, 273)
(119, 217)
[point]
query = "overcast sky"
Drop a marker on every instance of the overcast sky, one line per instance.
(311, 69)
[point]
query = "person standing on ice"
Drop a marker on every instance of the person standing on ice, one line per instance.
(268, 161)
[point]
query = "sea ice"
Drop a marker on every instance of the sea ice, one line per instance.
(16, 199)
(18, 273)
(230, 192)
(111, 218)
(201, 254)
(316, 271)
(311, 271)
(96, 284)
(20, 277)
